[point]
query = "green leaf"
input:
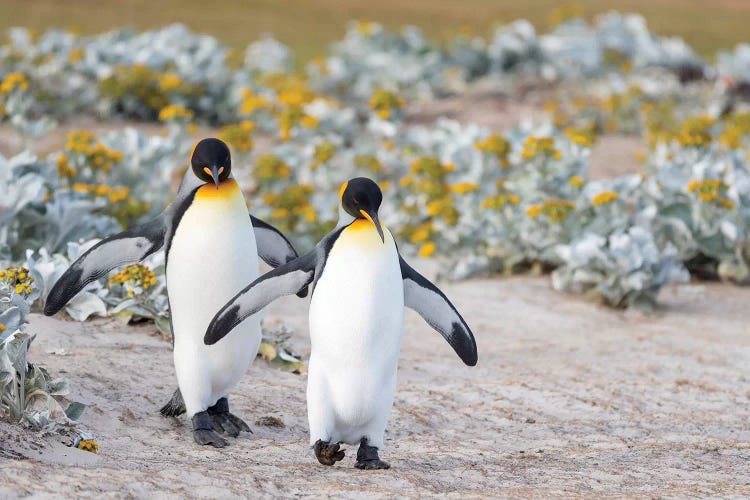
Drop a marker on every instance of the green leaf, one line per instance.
(75, 410)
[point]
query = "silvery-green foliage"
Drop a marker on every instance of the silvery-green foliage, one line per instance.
(268, 55)
(624, 268)
(47, 269)
(28, 393)
(714, 229)
(370, 57)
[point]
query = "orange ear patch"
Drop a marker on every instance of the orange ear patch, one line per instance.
(341, 191)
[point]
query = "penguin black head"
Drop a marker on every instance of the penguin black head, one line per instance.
(211, 161)
(361, 198)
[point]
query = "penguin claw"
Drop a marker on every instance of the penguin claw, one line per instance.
(372, 464)
(225, 422)
(206, 437)
(327, 453)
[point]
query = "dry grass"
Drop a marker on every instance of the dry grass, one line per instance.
(308, 26)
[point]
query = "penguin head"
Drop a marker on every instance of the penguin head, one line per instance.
(361, 198)
(211, 161)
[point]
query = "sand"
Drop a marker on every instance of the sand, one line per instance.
(569, 398)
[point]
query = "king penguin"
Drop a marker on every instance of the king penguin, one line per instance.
(211, 248)
(360, 285)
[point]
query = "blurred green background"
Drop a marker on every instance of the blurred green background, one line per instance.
(308, 26)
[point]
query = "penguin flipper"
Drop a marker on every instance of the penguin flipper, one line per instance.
(421, 295)
(284, 280)
(127, 247)
(273, 247)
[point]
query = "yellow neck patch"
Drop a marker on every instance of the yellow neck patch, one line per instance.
(362, 231)
(227, 189)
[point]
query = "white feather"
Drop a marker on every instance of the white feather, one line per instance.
(356, 325)
(212, 257)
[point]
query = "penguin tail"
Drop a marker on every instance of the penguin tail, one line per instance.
(175, 406)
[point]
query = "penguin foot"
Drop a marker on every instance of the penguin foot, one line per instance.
(223, 421)
(368, 459)
(203, 431)
(327, 453)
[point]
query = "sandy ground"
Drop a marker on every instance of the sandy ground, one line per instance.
(568, 399)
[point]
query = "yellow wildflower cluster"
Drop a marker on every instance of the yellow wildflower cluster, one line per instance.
(736, 127)
(98, 156)
(252, 102)
(540, 146)
(14, 81)
(292, 205)
(115, 194)
(497, 145)
(292, 116)
(324, 152)
(238, 135)
(604, 198)
(421, 233)
(88, 445)
(427, 249)
(169, 82)
(366, 28)
(269, 168)
(711, 190)
(443, 207)
(369, 162)
(554, 210)
(17, 279)
(384, 103)
(583, 136)
(175, 112)
(696, 132)
(135, 275)
(2, 328)
(576, 181)
(64, 168)
(151, 87)
(498, 201)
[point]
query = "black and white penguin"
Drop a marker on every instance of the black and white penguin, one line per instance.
(212, 246)
(360, 287)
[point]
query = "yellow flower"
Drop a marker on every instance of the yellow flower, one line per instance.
(88, 445)
(544, 146)
(576, 181)
(696, 132)
(323, 153)
(175, 112)
(169, 81)
(497, 145)
(64, 168)
(309, 121)
(269, 168)
(555, 210)
(421, 233)
(463, 187)
(2, 327)
(604, 198)
(366, 28)
(134, 275)
(384, 103)
(427, 249)
(584, 137)
(500, 200)
(252, 102)
(238, 136)
(709, 190)
(76, 55)
(369, 162)
(14, 81)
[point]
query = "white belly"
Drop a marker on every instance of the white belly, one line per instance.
(213, 256)
(356, 325)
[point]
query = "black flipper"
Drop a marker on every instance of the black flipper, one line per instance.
(132, 245)
(175, 406)
(421, 295)
(273, 247)
(284, 280)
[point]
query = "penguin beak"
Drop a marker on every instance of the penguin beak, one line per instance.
(215, 175)
(373, 217)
